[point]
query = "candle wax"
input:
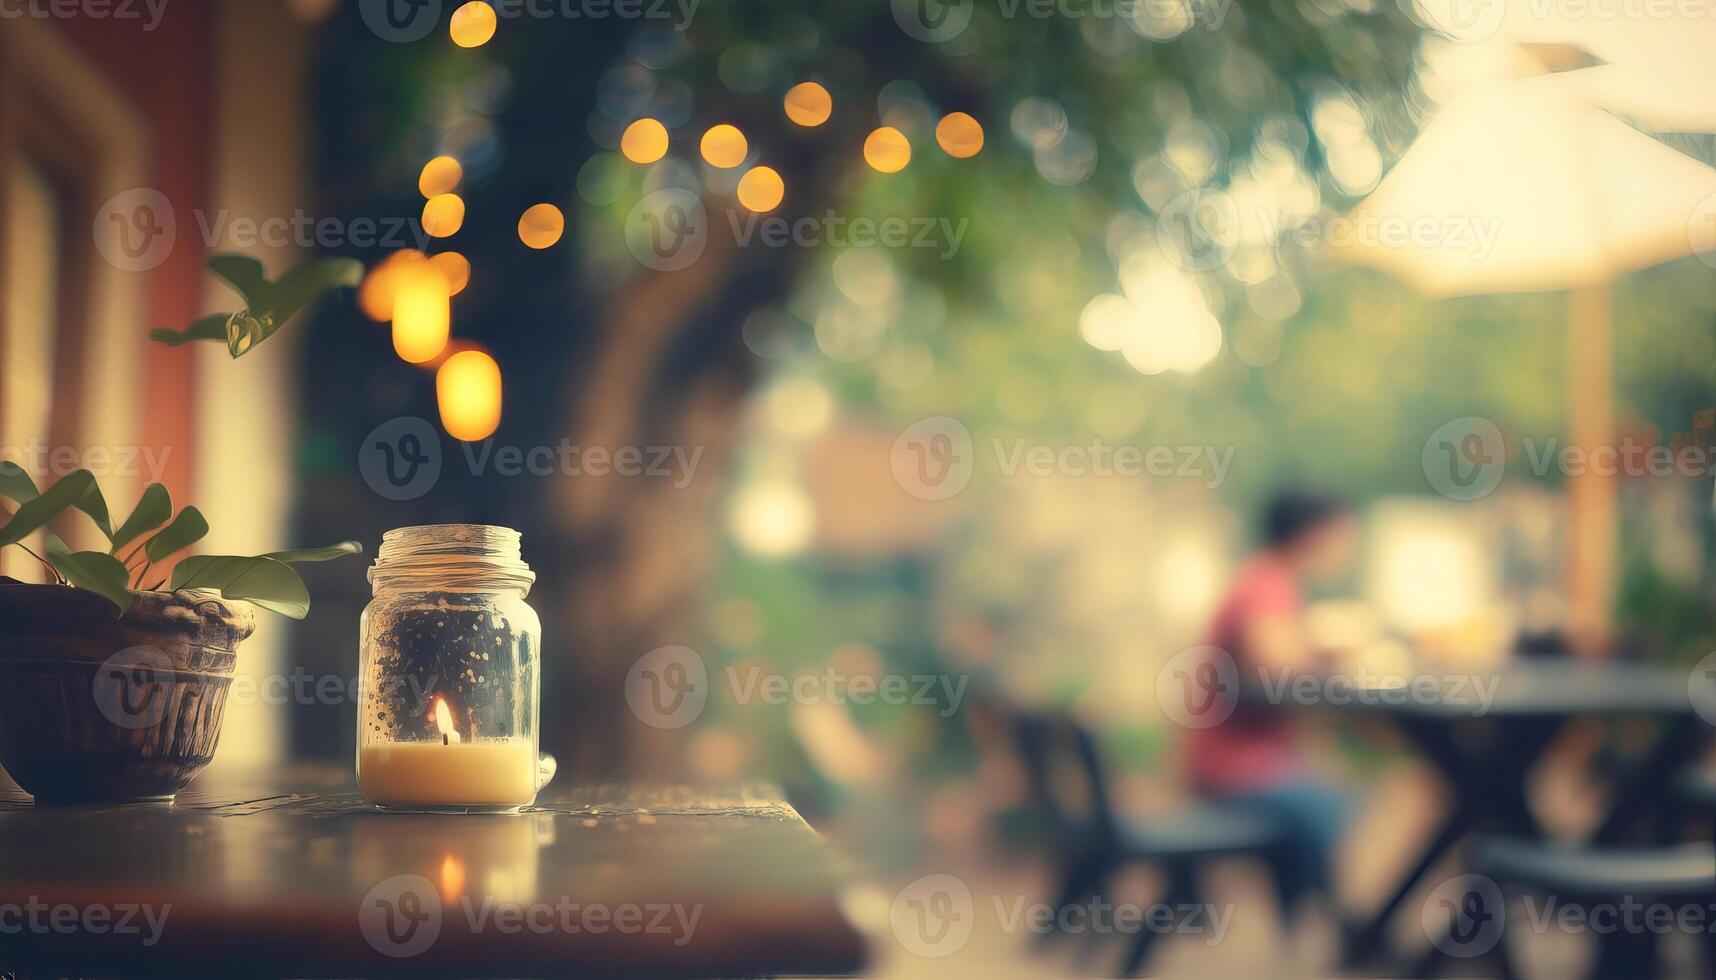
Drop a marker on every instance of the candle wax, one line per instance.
(486, 772)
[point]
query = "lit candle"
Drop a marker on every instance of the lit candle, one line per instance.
(450, 772)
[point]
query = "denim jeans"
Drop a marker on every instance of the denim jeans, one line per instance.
(1312, 815)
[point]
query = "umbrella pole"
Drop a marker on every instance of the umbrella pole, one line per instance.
(1592, 509)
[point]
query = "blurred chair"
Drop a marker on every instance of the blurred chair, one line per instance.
(1680, 878)
(1093, 842)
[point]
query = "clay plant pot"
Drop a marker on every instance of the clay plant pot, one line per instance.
(98, 707)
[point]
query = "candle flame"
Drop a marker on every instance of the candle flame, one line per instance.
(444, 721)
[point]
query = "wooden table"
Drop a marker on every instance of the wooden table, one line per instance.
(297, 876)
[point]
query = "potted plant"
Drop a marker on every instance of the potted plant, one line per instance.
(113, 677)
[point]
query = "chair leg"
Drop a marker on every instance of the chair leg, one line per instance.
(1084, 879)
(1626, 954)
(1181, 890)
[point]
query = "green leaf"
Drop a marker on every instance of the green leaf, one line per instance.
(268, 306)
(34, 514)
(271, 584)
(15, 484)
(95, 505)
(211, 327)
(306, 283)
(152, 510)
(187, 529)
(94, 571)
(244, 273)
(318, 554)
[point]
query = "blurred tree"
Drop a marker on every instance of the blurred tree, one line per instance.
(1095, 127)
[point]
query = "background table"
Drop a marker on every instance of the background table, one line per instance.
(1486, 751)
(297, 876)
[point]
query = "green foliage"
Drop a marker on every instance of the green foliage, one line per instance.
(268, 581)
(273, 585)
(153, 509)
(96, 571)
(35, 513)
(268, 305)
(185, 530)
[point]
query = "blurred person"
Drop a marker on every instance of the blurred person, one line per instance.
(1254, 759)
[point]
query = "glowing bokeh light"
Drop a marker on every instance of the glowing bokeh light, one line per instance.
(541, 226)
(422, 312)
(440, 176)
(644, 141)
(724, 146)
(468, 392)
(761, 189)
(381, 284)
(959, 135)
(809, 104)
(773, 518)
(443, 215)
(887, 150)
(455, 268)
(473, 24)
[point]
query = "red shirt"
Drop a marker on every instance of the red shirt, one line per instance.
(1256, 747)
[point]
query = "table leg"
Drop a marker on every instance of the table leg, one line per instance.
(1369, 942)
(1647, 787)
(1488, 789)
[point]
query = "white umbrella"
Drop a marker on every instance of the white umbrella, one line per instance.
(1521, 187)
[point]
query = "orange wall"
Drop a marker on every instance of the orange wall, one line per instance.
(168, 74)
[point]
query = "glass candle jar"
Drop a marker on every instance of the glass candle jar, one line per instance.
(449, 676)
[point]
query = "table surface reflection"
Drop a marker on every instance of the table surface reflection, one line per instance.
(294, 875)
